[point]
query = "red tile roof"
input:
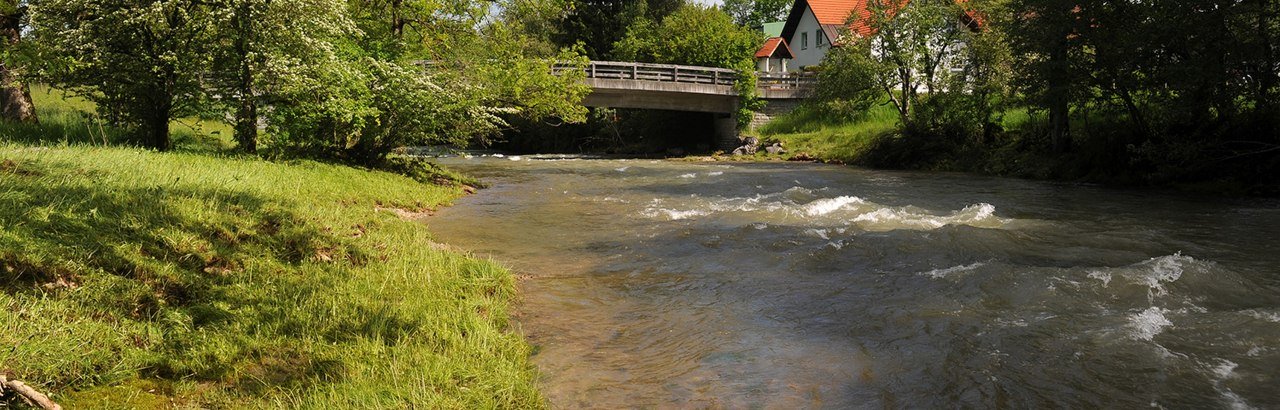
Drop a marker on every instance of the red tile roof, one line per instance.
(834, 14)
(837, 12)
(775, 47)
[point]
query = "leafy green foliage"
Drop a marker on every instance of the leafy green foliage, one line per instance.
(265, 43)
(945, 77)
(754, 13)
(847, 80)
(141, 61)
(693, 35)
(597, 25)
(700, 36)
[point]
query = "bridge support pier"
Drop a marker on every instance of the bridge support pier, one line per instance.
(726, 128)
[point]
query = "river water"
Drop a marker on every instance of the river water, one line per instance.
(789, 285)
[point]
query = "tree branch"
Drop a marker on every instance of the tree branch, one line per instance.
(28, 393)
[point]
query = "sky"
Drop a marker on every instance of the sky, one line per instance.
(708, 2)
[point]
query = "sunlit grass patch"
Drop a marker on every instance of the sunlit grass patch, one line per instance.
(811, 132)
(138, 278)
(66, 119)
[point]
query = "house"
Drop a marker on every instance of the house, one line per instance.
(814, 25)
(773, 56)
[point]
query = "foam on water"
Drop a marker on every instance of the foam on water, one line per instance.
(1154, 273)
(1149, 323)
(906, 217)
(690, 175)
(675, 215)
(1102, 276)
(1263, 315)
(942, 273)
(805, 206)
(1225, 369)
(828, 205)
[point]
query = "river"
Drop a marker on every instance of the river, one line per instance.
(791, 285)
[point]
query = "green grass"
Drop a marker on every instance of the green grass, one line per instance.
(68, 119)
(809, 132)
(137, 279)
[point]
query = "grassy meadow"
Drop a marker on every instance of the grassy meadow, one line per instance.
(199, 278)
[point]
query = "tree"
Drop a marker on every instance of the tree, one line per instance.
(15, 97)
(700, 36)
(398, 30)
(848, 82)
(693, 35)
(1046, 33)
(754, 13)
(141, 61)
(265, 42)
(418, 76)
(944, 71)
(912, 48)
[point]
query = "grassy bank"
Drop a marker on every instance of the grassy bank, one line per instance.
(135, 279)
(808, 132)
(1103, 151)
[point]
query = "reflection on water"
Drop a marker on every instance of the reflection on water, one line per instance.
(651, 283)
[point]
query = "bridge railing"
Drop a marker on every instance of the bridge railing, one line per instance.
(619, 70)
(785, 81)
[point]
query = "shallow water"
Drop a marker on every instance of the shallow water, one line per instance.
(653, 283)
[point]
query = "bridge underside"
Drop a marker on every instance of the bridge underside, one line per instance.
(653, 95)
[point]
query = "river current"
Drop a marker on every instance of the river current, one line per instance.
(788, 285)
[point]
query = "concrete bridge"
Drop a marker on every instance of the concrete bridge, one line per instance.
(686, 88)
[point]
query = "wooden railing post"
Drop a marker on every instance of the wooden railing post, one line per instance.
(635, 71)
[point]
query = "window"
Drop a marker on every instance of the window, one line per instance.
(804, 41)
(818, 37)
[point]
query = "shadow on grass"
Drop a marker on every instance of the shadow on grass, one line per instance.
(217, 271)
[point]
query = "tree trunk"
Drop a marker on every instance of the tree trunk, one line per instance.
(246, 130)
(1058, 97)
(156, 125)
(397, 21)
(247, 123)
(1268, 76)
(904, 109)
(15, 98)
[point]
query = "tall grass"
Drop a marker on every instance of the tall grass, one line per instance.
(69, 119)
(815, 132)
(136, 279)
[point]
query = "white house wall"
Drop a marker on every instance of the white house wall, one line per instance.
(772, 65)
(813, 54)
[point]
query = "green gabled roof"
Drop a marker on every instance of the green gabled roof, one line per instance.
(773, 29)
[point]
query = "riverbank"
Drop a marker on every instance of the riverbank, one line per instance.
(1100, 155)
(147, 280)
